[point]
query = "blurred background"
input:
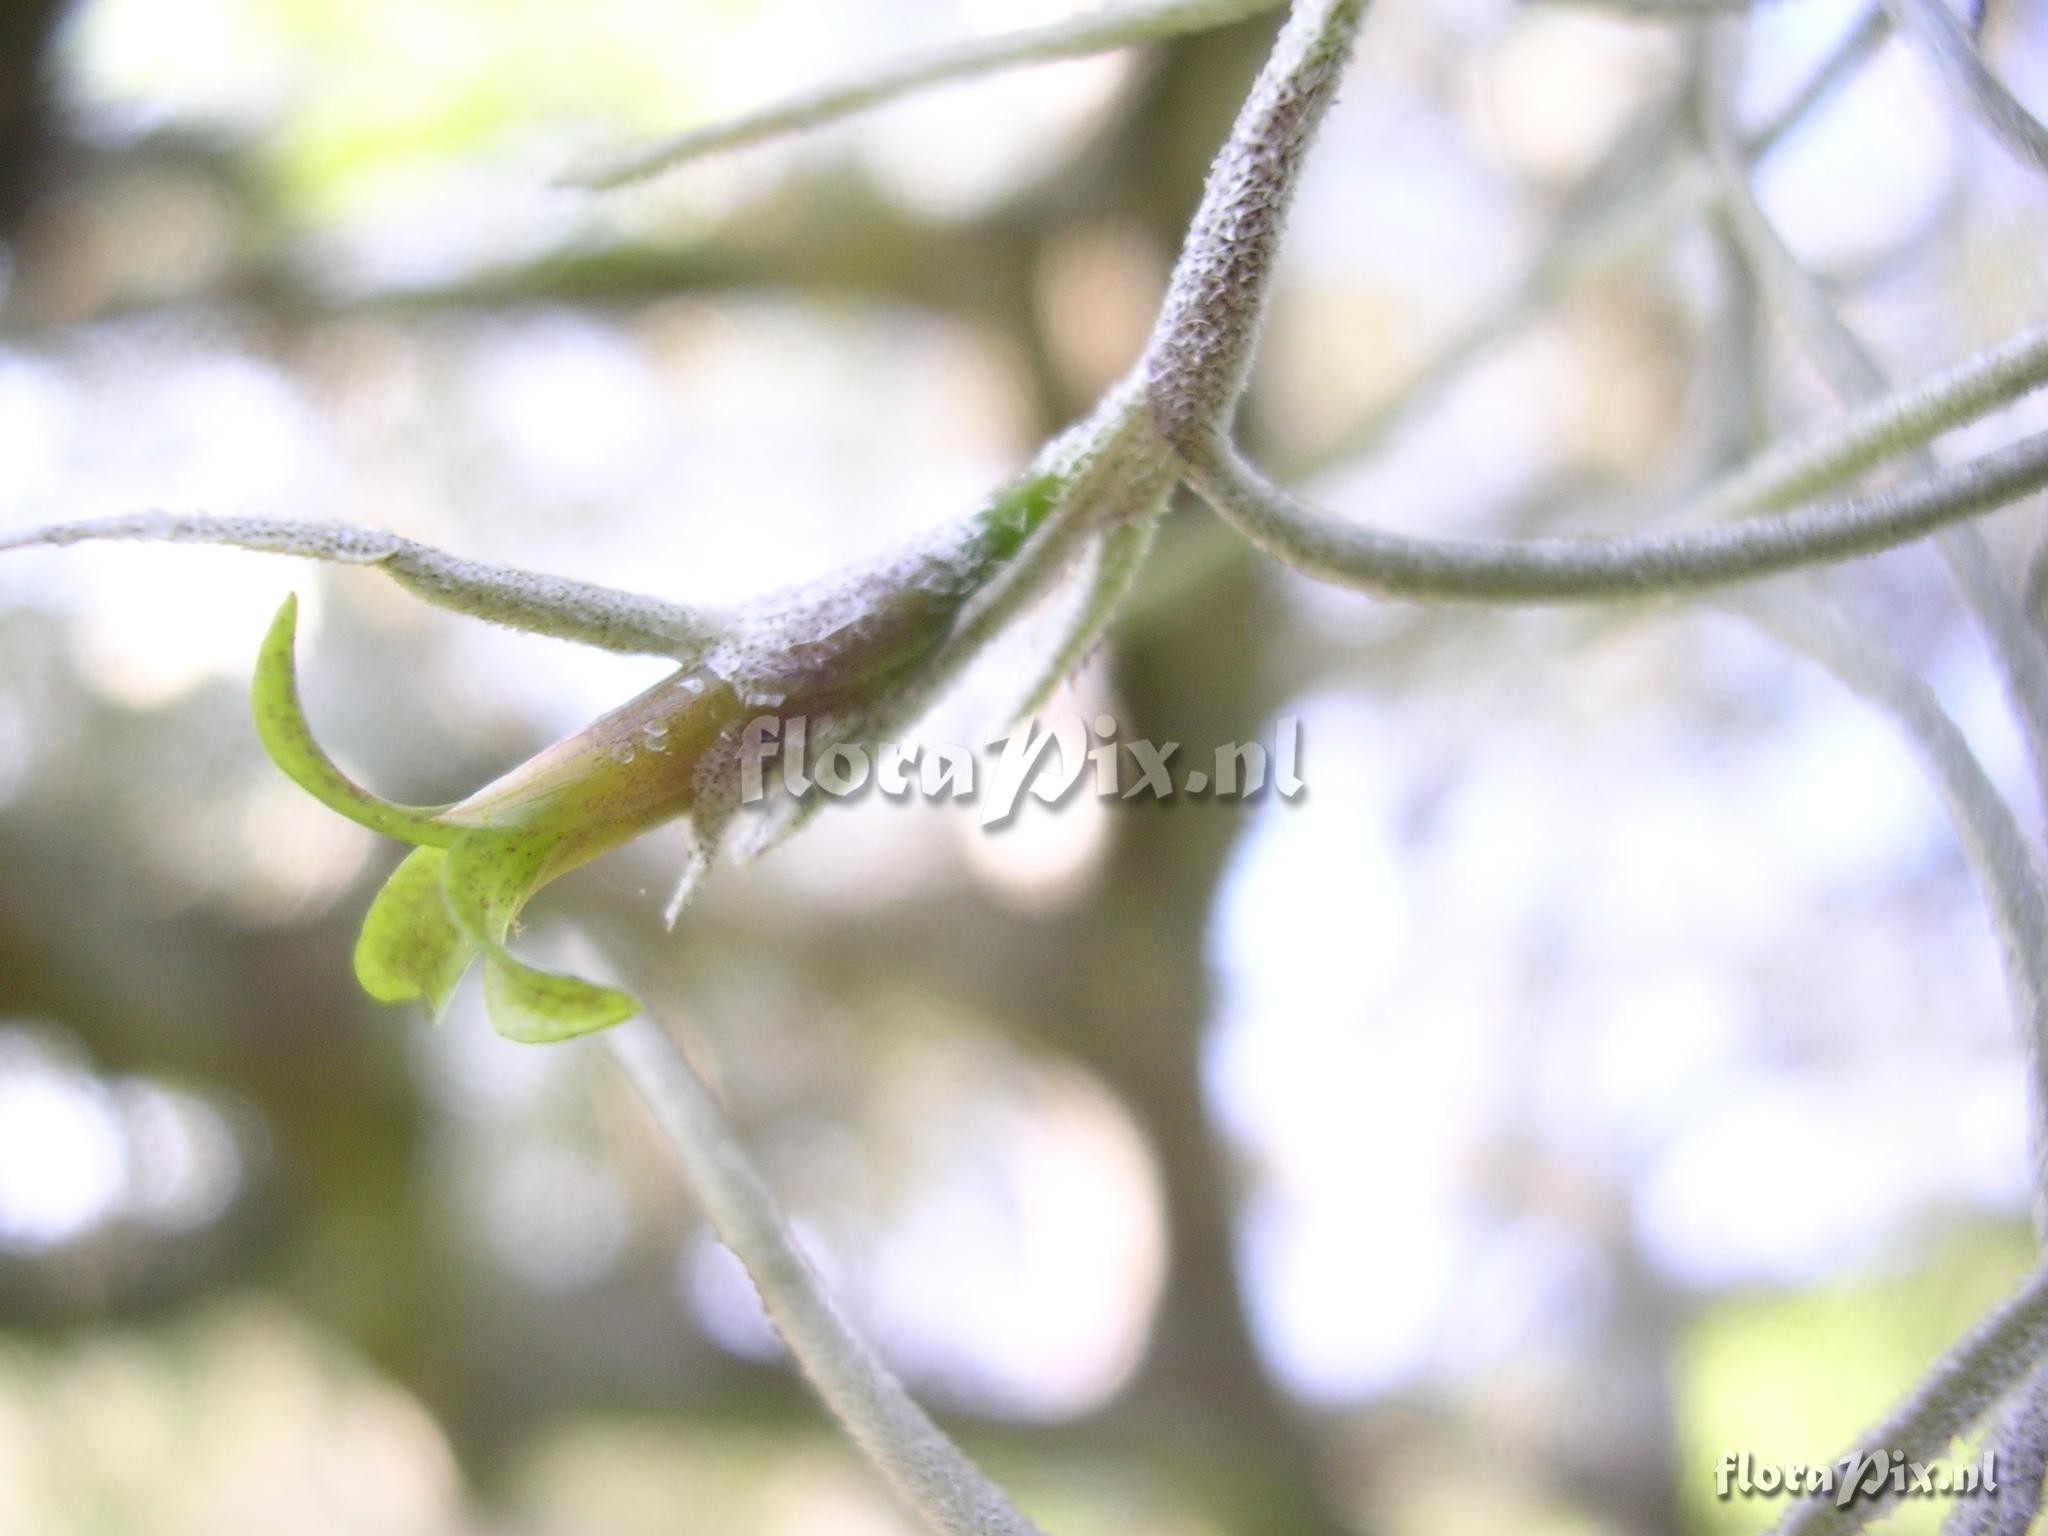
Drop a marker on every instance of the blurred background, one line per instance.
(1602, 1067)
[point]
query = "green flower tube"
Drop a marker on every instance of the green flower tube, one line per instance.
(477, 863)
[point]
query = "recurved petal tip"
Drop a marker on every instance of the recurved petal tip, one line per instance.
(282, 728)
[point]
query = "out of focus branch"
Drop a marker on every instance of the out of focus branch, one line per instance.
(1997, 851)
(1959, 1390)
(1632, 202)
(2018, 1448)
(1878, 429)
(1993, 844)
(1118, 25)
(28, 28)
(1940, 37)
(1853, 373)
(1199, 360)
(930, 1472)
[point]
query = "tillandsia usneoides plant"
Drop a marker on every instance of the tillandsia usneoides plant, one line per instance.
(861, 654)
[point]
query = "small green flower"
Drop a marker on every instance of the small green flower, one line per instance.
(850, 654)
(476, 864)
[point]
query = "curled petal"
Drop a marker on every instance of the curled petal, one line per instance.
(537, 1007)
(282, 728)
(410, 947)
(487, 878)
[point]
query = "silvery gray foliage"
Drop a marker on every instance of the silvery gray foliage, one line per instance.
(1964, 1385)
(1200, 357)
(1091, 499)
(1874, 430)
(2018, 1448)
(1112, 570)
(1117, 25)
(920, 1463)
(1939, 36)
(1997, 849)
(554, 606)
(2004, 865)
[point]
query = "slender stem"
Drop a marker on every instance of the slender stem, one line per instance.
(1200, 355)
(1960, 1389)
(2010, 1345)
(1573, 570)
(538, 603)
(1793, 469)
(1856, 46)
(2018, 1449)
(1119, 555)
(926, 1468)
(1941, 38)
(1619, 212)
(1114, 469)
(1994, 846)
(1854, 375)
(1113, 26)
(1621, 208)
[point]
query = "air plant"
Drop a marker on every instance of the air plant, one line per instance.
(848, 655)
(864, 652)
(476, 864)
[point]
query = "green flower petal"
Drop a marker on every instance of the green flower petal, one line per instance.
(487, 878)
(410, 946)
(535, 1006)
(282, 728)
